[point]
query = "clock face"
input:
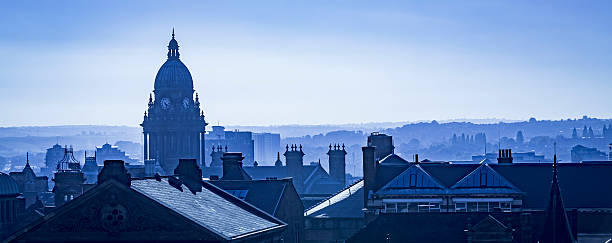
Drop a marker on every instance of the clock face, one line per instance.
(165, 103)
(185, 103)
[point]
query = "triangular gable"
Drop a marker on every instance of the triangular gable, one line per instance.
(485, 180)
(413, 180)
(112, 211)
(489, 224)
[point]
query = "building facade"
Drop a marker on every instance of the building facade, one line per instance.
(173, 125)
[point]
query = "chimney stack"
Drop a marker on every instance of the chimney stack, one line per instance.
(369, 171)
(114, 169)
(505, 156)
(190, 174)
(337, 163)
(232, 167)
(383, 144)
(216, 156)
(294, 162)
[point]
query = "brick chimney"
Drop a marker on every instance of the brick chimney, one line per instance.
(294, 160)
(232, 167)
(337, 163)
(190, 174)
(369, 171)
(504, 156)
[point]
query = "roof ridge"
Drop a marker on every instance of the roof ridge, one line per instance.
(330, 197)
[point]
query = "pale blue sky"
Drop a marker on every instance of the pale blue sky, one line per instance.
(308, 62)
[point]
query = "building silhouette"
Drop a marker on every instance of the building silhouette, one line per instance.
(30, 185)
(424, 201)
(173, 125)
(68, 179)
(159, 209)
(52, 156)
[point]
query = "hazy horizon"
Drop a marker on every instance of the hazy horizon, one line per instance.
(303, 63)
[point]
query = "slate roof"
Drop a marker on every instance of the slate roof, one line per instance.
(347, 203)
(393, 159)
(316, 179)
(207, 208)
(263, 194)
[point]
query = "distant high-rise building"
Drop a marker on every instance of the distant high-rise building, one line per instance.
(234, 141)
(53, 155)
(266, 146)
(581, 153)
(108, 152)
(173, 125)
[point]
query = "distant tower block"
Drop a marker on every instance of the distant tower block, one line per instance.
(294, 160)
(337, 163)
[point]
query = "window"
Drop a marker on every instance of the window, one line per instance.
(434, 207)
(472, 206)
(402, 207)
(460, 207)
(413, 207)
(506, 206)
(413, 180)
(423, 207)
(390, 208)
(483, 179)
(483, 206)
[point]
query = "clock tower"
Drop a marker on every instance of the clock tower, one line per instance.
(173, 125)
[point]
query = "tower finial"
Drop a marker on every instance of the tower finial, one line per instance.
(172, 32)
(27, 159)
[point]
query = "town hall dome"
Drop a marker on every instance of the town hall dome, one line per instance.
(173, 74)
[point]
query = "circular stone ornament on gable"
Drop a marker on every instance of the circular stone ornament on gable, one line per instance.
(114, 218)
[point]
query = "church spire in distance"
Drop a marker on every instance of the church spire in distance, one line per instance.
(173, 47)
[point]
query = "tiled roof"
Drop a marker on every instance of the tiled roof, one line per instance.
(393, 159)
(205, 208)
(263, 194)
(347, 203)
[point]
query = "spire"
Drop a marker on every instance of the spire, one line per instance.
(278, 161)
(557, 227)
(173, 47)
(27, 160)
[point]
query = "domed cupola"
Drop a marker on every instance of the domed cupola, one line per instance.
(8, 186)
(173, 75)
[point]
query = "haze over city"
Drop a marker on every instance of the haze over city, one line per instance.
(303, 62)
(306, 121)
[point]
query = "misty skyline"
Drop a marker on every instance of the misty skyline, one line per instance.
(277, 63)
